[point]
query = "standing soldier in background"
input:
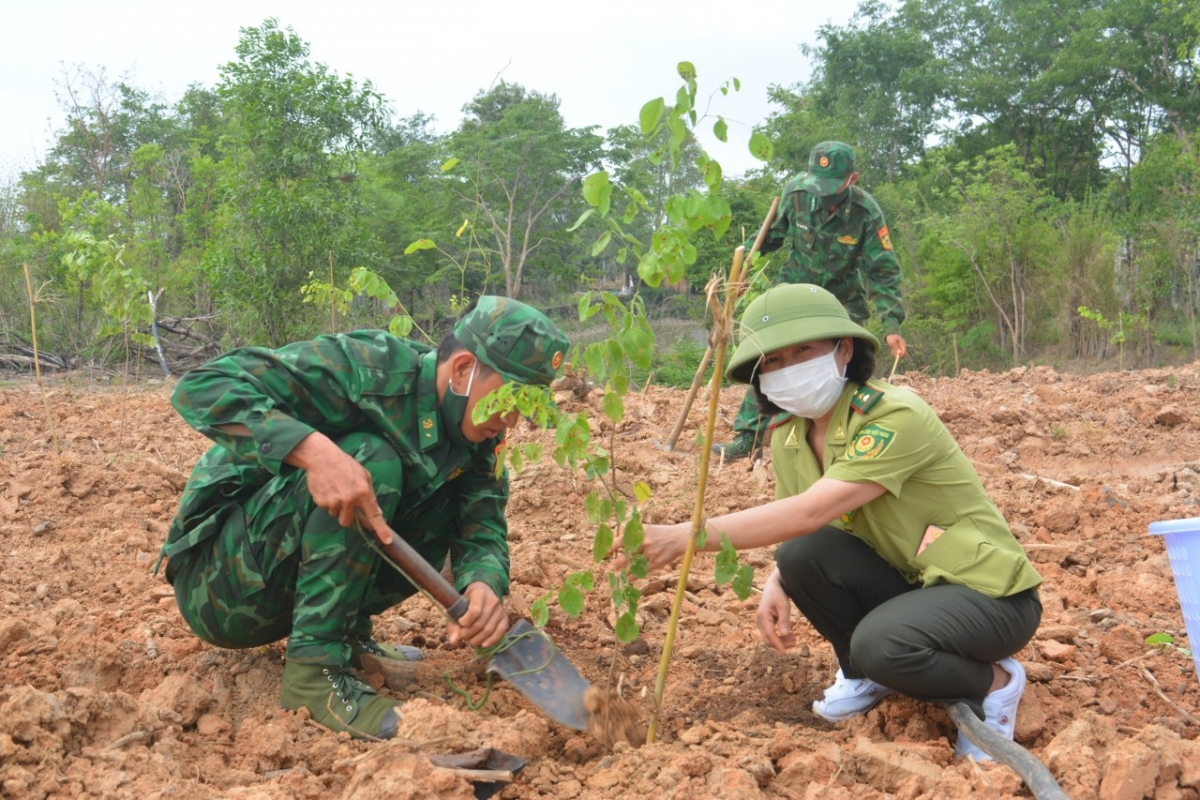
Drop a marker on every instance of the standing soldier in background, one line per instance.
(836, 238)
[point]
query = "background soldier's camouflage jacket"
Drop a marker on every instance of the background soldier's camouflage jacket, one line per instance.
(849, 254)
(364, 380)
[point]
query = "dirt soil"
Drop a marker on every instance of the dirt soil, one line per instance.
(106, 692)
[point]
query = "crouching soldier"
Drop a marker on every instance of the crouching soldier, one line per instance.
(265, 544)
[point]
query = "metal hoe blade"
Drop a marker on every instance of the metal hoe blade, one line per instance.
(535, 667)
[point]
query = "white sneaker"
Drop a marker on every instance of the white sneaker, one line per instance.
(849, 697)
(999, 709)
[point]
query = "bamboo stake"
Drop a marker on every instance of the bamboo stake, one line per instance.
(37, 363)
(721, 329)
(691, 397)
(699, 379)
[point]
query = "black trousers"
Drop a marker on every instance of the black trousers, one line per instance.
(935, 644)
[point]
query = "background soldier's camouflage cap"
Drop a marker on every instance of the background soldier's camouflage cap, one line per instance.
(829, 164)
(516, 340)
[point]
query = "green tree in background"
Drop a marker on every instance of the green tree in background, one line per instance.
(521, 167)
(1003, 226)
(410, 198)
(289, 199)
(877, 83)
(1032, 158)
(1163, 263)
(87, 181)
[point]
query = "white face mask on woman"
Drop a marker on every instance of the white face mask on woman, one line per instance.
(809, 389)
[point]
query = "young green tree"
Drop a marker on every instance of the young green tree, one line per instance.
(1004, 229)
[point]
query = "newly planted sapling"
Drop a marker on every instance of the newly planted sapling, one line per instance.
(665, 259)
(1122, 326)
(616, 515)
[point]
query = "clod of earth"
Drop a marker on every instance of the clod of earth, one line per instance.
(613, 719)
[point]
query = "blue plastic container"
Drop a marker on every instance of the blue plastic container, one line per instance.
(1182, 538)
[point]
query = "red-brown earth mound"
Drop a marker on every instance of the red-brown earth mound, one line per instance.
(107, 693)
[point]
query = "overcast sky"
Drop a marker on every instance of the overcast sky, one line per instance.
(602, 59)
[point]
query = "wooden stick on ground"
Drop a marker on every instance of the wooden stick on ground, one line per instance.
(482, 775)
(1163, 696)
(37, 364)
(691, 397)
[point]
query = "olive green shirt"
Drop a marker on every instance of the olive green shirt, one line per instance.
(889, 436)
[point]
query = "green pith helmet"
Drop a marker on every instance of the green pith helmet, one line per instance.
(829, 164)
(788, 315)
(516, 340)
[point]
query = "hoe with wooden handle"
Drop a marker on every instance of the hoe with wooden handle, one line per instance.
(526, 657)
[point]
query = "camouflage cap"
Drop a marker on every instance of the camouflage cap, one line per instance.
(829, 164)
(516, 340)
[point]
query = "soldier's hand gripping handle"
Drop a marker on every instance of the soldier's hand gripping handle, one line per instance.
(338, 483)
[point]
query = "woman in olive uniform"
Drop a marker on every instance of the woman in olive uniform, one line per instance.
(888, 542)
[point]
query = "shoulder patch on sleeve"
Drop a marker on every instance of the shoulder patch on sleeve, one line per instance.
(885, 238)
(865, 398)
(872, 441)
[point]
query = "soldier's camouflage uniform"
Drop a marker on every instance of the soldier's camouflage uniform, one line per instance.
(253, 560)
(849, 254)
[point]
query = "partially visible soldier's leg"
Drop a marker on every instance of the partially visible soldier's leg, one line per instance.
(336, 567)
(284, 567)
(428, 529)
(240, 588)
(749, 430)
(748, 419)
(237, 589)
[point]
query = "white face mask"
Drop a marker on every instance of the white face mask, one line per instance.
(809, 389)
